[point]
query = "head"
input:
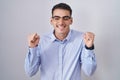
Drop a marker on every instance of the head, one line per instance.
(61, 18)
(62, 6)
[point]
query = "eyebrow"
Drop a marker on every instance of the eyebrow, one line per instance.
(59, 16)
(55, 16)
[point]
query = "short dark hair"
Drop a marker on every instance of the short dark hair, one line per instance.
(62, 6)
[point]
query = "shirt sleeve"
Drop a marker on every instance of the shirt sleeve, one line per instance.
(88, 61)
(32, 61)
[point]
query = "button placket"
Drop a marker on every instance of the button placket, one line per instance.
(61, 60)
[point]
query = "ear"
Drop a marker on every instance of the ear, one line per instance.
(71, 20)
(51, 21)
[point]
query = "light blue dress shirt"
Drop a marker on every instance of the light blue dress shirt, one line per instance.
(60, 60)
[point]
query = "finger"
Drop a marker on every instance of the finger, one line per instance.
(86, 36)
(90, 35)
(35, 37)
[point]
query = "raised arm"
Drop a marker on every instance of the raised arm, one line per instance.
(88, 57)
(32, 60)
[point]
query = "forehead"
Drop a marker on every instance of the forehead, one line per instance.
(61, 12)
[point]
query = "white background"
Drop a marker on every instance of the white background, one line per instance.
(18, 18)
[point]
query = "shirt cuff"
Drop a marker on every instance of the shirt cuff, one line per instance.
(89, 48)
(33, 51)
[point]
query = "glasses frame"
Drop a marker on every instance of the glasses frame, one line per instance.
(65, 18)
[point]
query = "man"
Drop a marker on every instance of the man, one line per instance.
(61, 54)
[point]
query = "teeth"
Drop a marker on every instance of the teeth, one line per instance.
(61, 27)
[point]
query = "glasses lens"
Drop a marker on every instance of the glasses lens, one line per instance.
(64, 17)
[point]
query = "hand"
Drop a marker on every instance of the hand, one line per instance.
(33, 40)
(89, 39)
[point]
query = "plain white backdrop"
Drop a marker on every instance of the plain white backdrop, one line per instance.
(18, 18)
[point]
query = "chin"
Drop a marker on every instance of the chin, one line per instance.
(63, 32)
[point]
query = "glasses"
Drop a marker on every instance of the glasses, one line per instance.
(56, 18)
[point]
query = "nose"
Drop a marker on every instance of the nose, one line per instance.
(61, 21)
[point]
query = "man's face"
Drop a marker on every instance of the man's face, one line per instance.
(61, 20)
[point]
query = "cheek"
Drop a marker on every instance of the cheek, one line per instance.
(53, 24)
(68, 22)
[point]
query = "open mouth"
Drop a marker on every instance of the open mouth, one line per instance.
(61, 27)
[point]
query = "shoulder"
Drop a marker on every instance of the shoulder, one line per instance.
(76, 36)
(46, 37)
(45, 40)
(76, 33)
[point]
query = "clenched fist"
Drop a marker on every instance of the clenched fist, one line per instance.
(89, 39)
(33, 40)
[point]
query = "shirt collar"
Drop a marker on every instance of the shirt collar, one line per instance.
(53, 38)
